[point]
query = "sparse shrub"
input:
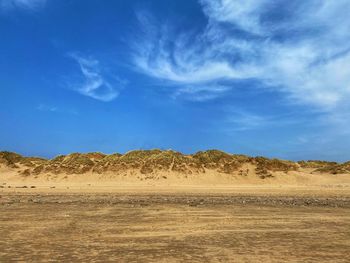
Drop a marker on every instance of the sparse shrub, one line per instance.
(26, 172)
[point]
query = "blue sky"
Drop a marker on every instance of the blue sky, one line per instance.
(257, 77)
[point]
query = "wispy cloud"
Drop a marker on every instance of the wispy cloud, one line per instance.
(239, 120)
(304, 54)
(95, 83)
(44, 107)
(30, 5)
(201, 93)
(243, 14)
(54, 109)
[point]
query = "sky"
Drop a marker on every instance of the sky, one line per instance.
(257, 77)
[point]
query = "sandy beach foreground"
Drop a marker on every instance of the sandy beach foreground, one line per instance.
(241, 224)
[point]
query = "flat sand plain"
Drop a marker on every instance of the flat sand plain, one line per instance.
(175, 224)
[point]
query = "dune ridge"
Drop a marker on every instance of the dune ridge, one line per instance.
(152, 162)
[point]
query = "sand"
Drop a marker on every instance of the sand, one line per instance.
(156, 227)
(210, 181)
(211, 217)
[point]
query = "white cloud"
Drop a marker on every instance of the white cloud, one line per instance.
(240, 120)
(54, 109)
(30, 5)
(95, 85)
(244, 14)
(303, 53)
(201, 93)
(43, 107)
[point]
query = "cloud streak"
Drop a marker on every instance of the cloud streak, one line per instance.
(303, 53)
(54, 109)
(95, 84)
(29, 5)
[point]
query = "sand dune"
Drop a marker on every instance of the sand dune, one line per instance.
(167, 170)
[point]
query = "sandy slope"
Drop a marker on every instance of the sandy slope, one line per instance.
(210, 181)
